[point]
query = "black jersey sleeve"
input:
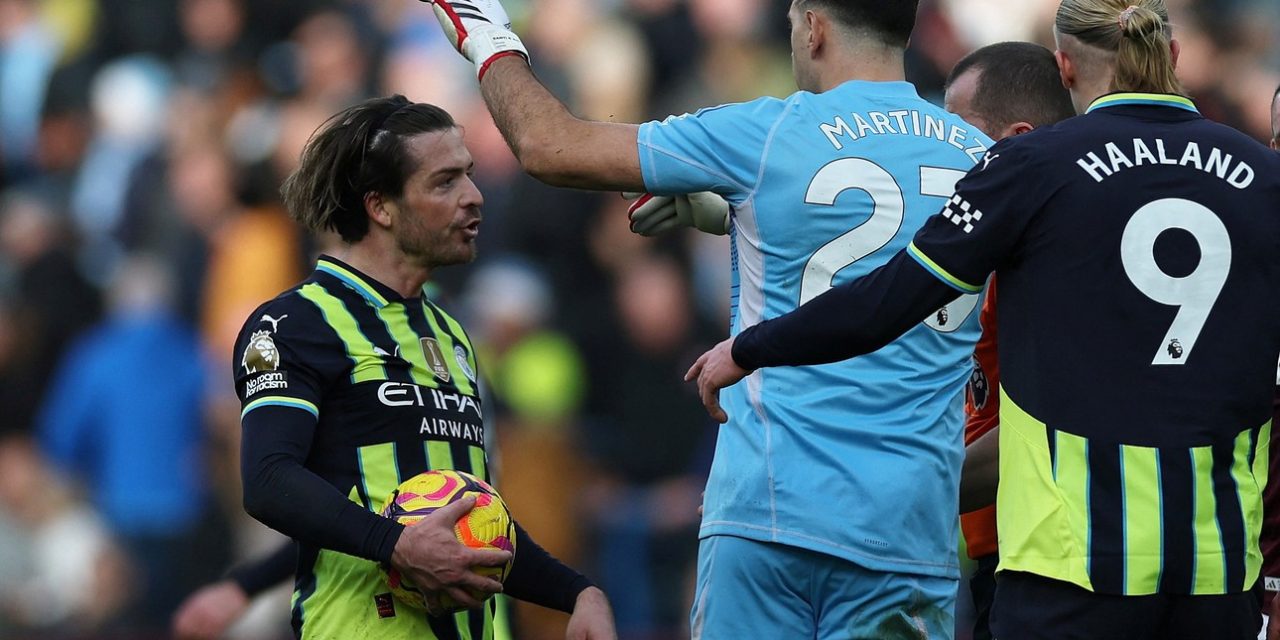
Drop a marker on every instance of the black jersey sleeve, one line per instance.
(287, 357)
(286, 496)
(848, 320)
(979, 229)
(539, 578)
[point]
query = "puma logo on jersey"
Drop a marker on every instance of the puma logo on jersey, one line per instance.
(275, 322)
(987, 158)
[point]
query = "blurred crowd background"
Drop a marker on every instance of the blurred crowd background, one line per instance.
(142, 143)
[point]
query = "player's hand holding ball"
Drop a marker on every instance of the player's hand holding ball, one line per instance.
(655, 215)
(479, 29)
(457, 546)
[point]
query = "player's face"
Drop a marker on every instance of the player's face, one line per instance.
(959, 100)
(437, 220)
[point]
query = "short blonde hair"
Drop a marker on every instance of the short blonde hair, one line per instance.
(1136, 32)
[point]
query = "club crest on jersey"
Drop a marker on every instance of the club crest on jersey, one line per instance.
(460, 354)
(435, 359)
(962, 213)
(261, 353)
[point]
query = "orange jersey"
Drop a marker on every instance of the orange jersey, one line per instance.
(982, 414)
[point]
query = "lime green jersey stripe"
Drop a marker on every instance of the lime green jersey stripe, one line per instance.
(1262, 455)
(1041, 518)
(439, 455)
(501, 620)
(397, 322)
(1249, 492)
(352, 280)
(1072, 477)
(939, 272)
(463, 620)
(479, 468)
(1142, 535)
(367, 364)
(354, 496)
(1209, 570)
(446, 347)
(378, 472)
(280, 401)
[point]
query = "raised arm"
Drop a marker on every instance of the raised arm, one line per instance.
(551, 143)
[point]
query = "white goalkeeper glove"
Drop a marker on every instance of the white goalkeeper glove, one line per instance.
(479, 29)
(654, 215)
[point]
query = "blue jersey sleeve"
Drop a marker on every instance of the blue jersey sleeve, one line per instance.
(720, 149)
(978, 230)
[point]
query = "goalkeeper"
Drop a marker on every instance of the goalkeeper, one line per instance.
(830, 507)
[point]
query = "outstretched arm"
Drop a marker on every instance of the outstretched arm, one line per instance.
(851, 319)
(551, 143)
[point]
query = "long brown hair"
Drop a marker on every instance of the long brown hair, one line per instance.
(359, 150)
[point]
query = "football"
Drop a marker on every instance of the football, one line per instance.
(487, 525)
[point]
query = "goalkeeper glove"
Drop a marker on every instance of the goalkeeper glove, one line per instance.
(479, 29)
(654, 215)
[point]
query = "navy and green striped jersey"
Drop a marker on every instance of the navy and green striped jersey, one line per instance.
(392, 385)
(1138, 253)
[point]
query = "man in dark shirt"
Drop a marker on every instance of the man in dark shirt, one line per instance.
(353, 381)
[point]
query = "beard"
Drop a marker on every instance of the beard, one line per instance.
(437, 247)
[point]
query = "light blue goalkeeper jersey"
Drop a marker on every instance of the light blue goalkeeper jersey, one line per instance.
(858, 459)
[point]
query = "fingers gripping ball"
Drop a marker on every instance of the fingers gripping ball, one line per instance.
(487, 525)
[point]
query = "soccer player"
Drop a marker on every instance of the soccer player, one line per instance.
(830, 507)
(354, 381)
(1004, 89)
(1135, 252)
(1271, 497)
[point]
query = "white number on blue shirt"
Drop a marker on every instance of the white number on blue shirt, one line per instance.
(861, 241)
(1195, 293)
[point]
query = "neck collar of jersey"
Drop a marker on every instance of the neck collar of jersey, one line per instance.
(880, 87)
(1145, 99)
(378, 294)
